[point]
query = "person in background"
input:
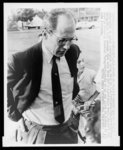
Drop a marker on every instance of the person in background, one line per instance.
(92, 126)
(86, 80)
(87, 99)
(42, 82)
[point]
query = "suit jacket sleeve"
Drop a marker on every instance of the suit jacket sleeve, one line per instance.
(23, 80)
(13, 76)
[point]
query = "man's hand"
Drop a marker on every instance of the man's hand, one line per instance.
(87, 105)
(22, 130)
(22, 125)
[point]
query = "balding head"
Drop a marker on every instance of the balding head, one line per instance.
(66, 25)
(60, 27)
(51, 19)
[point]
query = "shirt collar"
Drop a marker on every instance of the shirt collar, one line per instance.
(49, 55)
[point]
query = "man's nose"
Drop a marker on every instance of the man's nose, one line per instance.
(67, 45)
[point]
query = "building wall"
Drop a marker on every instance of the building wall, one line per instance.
(86, 14)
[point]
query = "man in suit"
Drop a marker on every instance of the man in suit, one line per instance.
(42, 108)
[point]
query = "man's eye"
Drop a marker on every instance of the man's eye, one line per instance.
(79, 62)
(62, 41)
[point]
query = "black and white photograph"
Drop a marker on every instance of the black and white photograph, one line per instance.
(60, 74)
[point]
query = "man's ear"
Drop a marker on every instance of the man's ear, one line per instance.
(45, 35)
(48, 31)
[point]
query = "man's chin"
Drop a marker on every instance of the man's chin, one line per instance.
(61, 52)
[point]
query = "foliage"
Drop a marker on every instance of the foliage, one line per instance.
(12, 26)
(41, 13)
(25, 14)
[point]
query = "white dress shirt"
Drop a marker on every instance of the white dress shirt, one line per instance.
(41, 111)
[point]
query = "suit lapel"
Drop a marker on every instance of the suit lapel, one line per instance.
(37, 68)
(71, 57)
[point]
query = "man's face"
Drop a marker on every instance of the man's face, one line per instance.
(63, 35)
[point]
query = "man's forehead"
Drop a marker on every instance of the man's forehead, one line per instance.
(65, 24)
(65, 18)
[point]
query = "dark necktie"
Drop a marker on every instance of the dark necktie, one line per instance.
(57, 93)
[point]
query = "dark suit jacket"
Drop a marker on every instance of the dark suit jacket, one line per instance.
(24, 78)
